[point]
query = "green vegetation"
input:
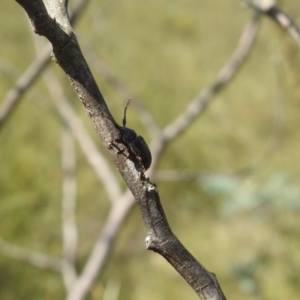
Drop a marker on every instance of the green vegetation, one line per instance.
(245, 228)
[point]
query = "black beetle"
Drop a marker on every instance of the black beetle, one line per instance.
(134, 143)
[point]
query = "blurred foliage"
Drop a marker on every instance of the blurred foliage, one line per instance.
(166, 52)
(249, 195)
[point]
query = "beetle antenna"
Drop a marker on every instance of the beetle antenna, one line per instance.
(125, 109)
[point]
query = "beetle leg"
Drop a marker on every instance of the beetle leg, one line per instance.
(140, 161)
(113, 145)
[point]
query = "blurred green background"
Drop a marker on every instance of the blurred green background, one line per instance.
(244, 226)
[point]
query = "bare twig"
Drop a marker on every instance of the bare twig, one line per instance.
(69, 228)
(285, 22)
(13, 96)
(35, 258)
(227, 72)
(278, 123)
(197, 106)
(98, 256)
(270, 9)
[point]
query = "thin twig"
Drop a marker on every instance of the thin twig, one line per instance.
(13, 96)
(278, 123)
(227, 72)
(197, 106)
(94, 265)
(279, 17)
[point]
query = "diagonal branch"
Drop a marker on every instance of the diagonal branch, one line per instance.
(13, 96)
(197, 106)
(285, 22)
(95, 262)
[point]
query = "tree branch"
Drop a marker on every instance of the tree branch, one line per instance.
(95, 262)
(13, 96)
(197, 106)
(160, 237)
(270, 9)
(229, 70)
